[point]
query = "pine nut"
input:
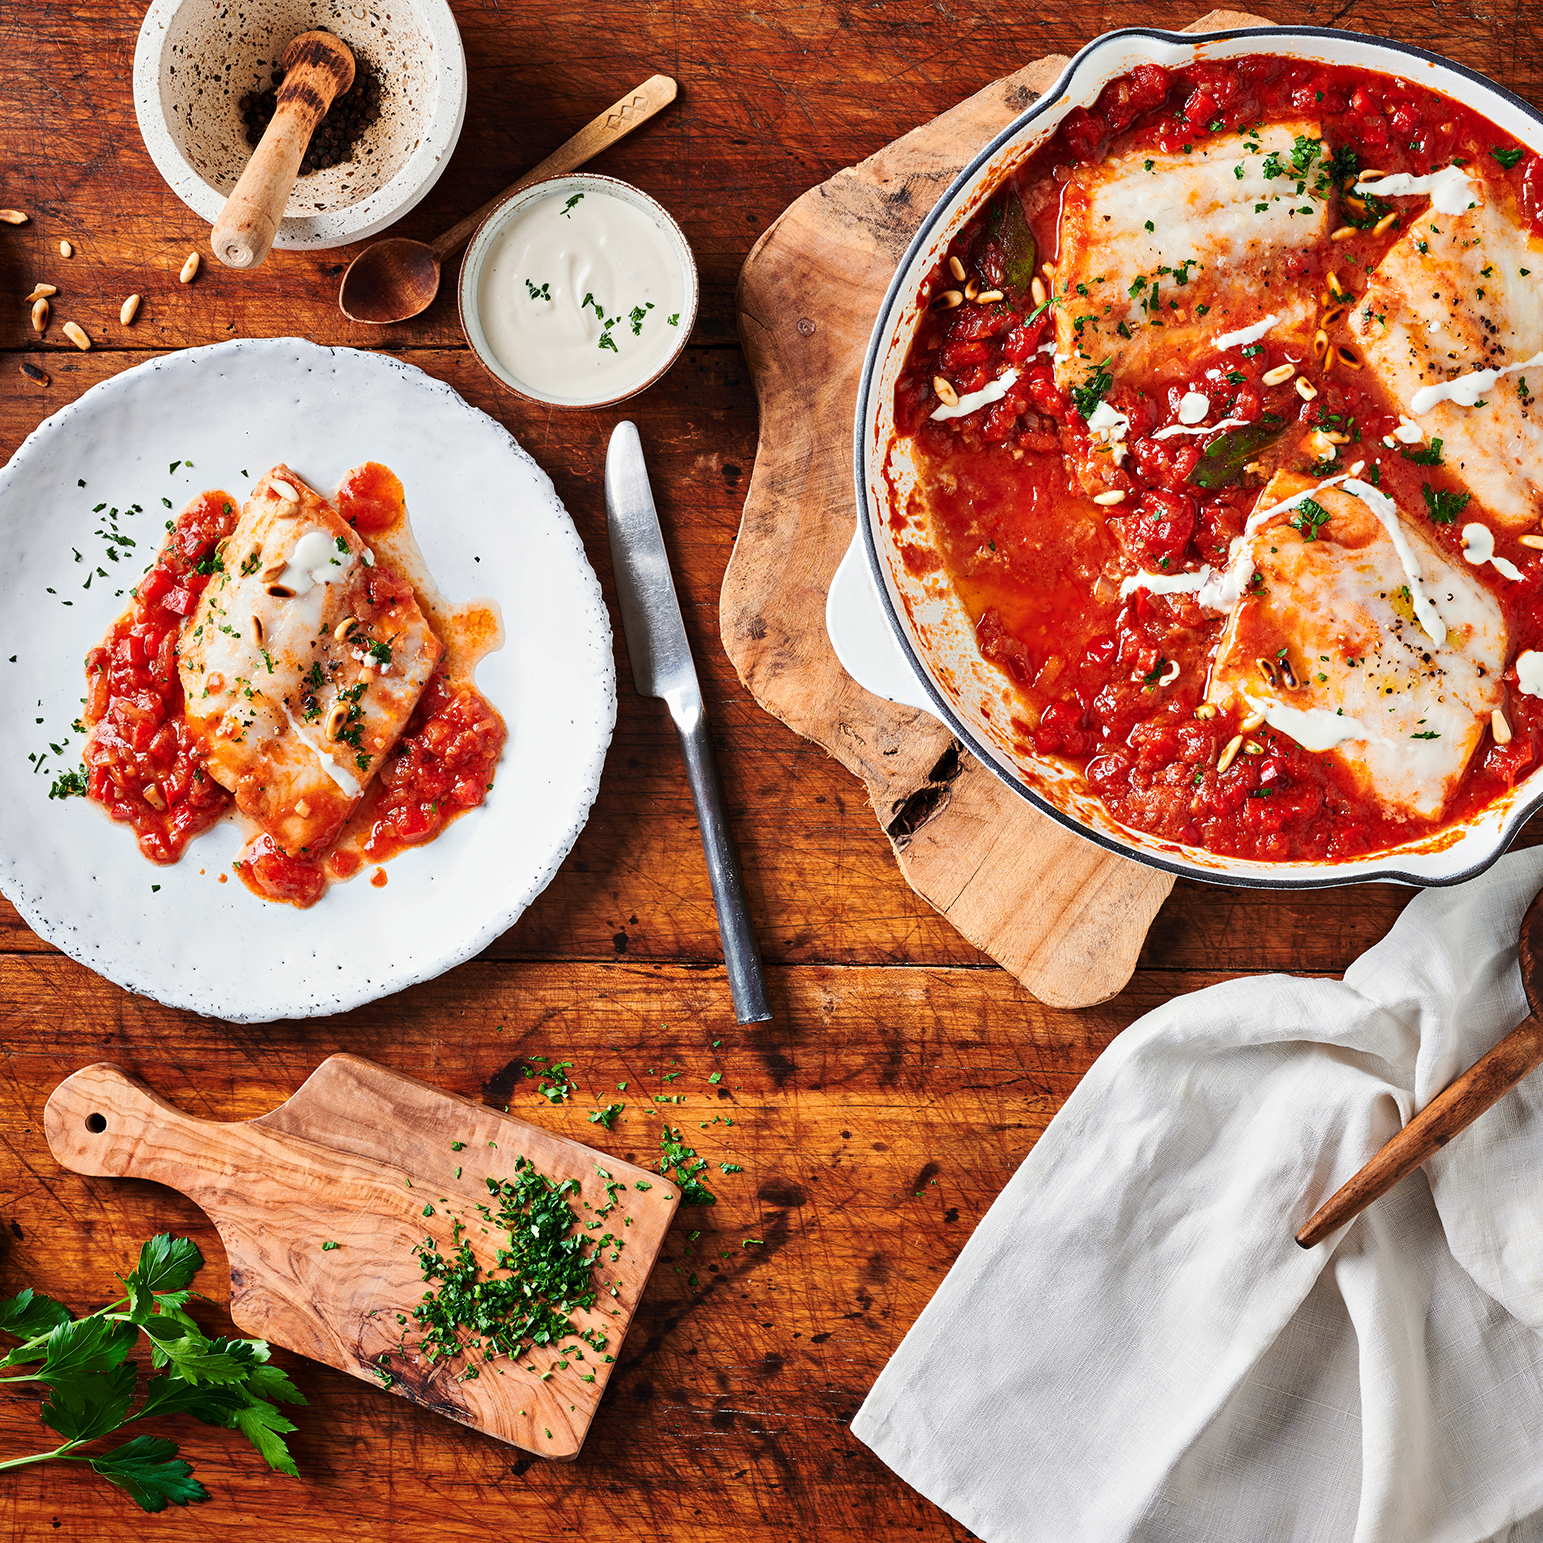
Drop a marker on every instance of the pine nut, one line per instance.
(1535, 542)
(1333, 317)
(41, 292)
(1253, 747)
(1335, 287)
(1250, 723)
(1305, 388)
(1347, 356)
(1384, 224)
(1038, 291)
(971, 289)
(257, 630)
(1279, 375)
(1320, 343)
(32, 372)
(281, 592)
(1205, 710)
(1113, 496)
(989, 296)
(13, 216)
(76, 335)
(1344, 233)
(285, 491)
(956, 268)
(367, 674)
(65, 249)
(189, 268)
(336, 718)
(39, 315)
(948, 300)
(1048, 269)
(946, 393)
(1499, 727)
(1230, 754)
(129, 310)
(348, 625)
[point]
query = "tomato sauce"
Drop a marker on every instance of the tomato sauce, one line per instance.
(1039, 574)
(142, 763)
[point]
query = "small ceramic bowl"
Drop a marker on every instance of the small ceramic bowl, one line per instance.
(196, 59)
(480, 255)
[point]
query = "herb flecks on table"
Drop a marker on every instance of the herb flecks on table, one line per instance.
(92, 1385)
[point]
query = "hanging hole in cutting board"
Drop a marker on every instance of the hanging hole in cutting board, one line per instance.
(96, 1123)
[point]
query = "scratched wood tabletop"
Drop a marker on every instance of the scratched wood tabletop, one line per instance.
(904, 1076)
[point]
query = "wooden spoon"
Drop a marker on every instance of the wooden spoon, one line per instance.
(398, 278)
(1454, 1109)
(318, 67)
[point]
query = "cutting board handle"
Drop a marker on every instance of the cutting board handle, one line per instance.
(102, 1122)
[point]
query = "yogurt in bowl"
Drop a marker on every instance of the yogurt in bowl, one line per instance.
(578, 291)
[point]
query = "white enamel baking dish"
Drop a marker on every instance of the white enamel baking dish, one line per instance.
(910, 640)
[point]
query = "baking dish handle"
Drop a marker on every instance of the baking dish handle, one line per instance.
(860, 633)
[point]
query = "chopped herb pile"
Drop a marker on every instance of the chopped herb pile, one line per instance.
(1444, 507)
(1092, 391)
(679, 1162)
(92, 1384)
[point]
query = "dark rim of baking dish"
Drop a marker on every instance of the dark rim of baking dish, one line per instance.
(1304, 878)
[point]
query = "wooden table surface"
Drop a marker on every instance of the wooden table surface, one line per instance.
(904, 1076)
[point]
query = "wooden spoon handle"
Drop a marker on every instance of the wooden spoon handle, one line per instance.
(319, 67)
(1452, 1110)
(616, 122)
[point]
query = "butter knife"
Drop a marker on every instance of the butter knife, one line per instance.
(662, 667)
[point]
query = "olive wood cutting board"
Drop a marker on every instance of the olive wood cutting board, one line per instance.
(1059, 912)
(360, 1156)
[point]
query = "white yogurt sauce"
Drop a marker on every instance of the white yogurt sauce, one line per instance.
(1194, 407)
(1529, 673)
(992, 391)
(577, 295)
(1246, 335)
(1467, 389)
(1479, 547)
(1313, 728)
(1386, 511)
(1164, 583)
(1450, 190)
(1204, 428)
(315, 559)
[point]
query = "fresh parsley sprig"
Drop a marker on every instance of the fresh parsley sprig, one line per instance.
(92, 1385)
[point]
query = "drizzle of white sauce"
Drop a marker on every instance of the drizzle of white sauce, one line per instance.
(1408, 431)
(1467, 389)
(992, 391)
(1387, 512)
(1246, 335)
(1170, 675)
(339, 773)
(1204, 428)
(1313, 728)
(1165, 583)
(1479, 547)
(1108, 421)
(1529, 673)
(1451, 191)
(314, 559)
(1194, 407)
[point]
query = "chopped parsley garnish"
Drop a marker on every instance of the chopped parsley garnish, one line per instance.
(1508, 158)
(1444, 507)
(1092, 391)
(1431, 457)
(1309, 517)
(680, 1163)
(568, 207)
(544, 292)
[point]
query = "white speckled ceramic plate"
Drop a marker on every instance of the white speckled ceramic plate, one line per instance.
(489, 523)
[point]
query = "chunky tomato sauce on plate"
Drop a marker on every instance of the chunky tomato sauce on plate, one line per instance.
(1192, 308)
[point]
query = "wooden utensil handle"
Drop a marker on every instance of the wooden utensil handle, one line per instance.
(100, 1121)
(1452, 1110)
(616, 122)
(319, 68)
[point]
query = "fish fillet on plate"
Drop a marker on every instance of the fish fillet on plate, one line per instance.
(1458, 293)
(1328, 642)
(1161, 253)
(302, 664)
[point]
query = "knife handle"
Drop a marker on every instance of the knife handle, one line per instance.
(740, 953)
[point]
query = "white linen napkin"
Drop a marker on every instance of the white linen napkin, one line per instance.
(1133, 1346)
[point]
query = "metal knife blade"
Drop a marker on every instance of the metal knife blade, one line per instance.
(662, 667)
(651, 621)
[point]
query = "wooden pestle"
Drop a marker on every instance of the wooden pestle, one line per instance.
(318, 67)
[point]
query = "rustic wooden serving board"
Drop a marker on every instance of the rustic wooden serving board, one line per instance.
(1063, 915)
(360, 1156)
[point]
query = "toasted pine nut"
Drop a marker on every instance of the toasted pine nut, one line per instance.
(1230, 754)
(281, 592)
(257, 630)
(948, 300)
(367, 673)
(1344, 233)
(346, 626)
(1205, 710)
(32, 372)
(129, 310)
(956, 268)
(1535, 542)
(1279, 375)
(1048, 269)
(946, 393)
(1322, 445)
(1333, 317)
(274, 569)
(76, 335)
(1038, 291)
(1335, 287)
(336, 718)
(1305, 388)
(1113, 496)
(1384, 224)
(189, 268)
(1371, 174)
(989, 296)
(41, 292)
(1320, 343)
(39, 315)
(65, 249)
(1334, 437)
(1499, 727)
(1347, 356)
(1253, 747)
(13, 216)
(1267, 669)
(285, 490)
(1250, 723)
